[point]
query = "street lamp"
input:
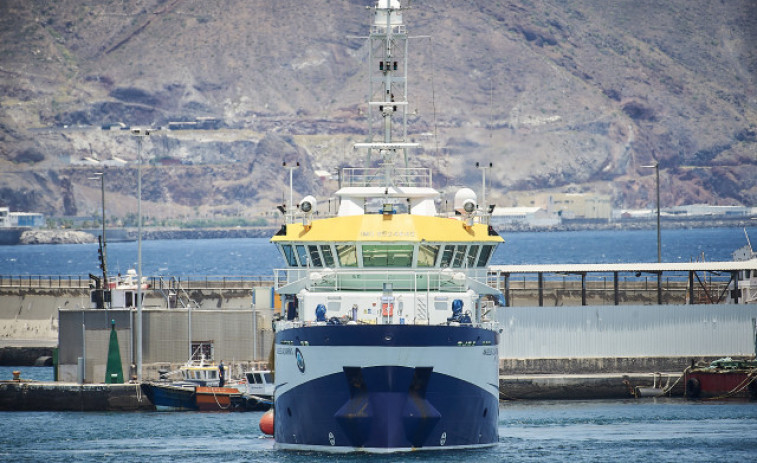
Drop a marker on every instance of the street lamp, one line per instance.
(290, 209)
(101, 176)
(140, 134)
(656, 167)
(484, 168)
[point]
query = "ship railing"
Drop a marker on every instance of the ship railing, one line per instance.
(381, 29)
(289, 324)
(186, 282)
(363, 279)
(374, 177)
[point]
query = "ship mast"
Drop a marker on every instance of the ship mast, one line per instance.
(387, 77)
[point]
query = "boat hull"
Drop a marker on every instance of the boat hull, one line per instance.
(386, 388)
(214, 399)
(166, 397)
(716, 383)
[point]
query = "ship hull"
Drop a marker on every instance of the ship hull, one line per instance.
(704, 384)
(386, 388)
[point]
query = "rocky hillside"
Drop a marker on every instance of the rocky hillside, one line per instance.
(560, 96)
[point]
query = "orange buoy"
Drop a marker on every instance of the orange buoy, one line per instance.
(266, 422)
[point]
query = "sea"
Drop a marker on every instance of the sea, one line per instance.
(635, 430)
(258, 257)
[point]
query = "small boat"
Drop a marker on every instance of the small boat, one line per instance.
(722, 379)
(198, 389)
(257, 391)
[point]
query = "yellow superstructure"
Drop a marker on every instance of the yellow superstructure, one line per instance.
(387, 228)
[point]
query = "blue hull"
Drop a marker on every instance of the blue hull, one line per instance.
(386, 407)
(170, 398)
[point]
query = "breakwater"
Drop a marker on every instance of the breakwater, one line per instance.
(38, 236)
(71, 397)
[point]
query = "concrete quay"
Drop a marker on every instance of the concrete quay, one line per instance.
(590, 386)
(71, 397)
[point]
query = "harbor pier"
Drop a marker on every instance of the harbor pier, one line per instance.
(567, 331)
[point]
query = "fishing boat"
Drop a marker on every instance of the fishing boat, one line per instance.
(198, 389)
(723, 379)
(388, 342)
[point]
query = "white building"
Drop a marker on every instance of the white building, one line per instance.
(528, 216)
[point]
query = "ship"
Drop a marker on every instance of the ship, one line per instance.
(388, 340)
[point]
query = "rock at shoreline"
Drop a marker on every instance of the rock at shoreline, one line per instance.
(56, 237)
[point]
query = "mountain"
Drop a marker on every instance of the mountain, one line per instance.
(569, 96)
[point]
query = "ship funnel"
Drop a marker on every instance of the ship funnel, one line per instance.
(384, 7)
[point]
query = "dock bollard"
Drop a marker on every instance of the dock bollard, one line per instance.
(16, 375)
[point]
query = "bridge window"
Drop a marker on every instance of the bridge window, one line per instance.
(427, 255)
(302, 254)
(347, 254)
(483, 258)
(392, 255)
(315, 258)
(328, 258)
(289, 255)
(459, 254)
(471, 259)
(447, 256)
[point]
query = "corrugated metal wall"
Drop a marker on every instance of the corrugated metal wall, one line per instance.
(232, 333)
(627, 331)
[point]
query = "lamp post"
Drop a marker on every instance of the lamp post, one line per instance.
(140, 134)
(656, 167)
(101, 176)
(290, 209)
(484, 168)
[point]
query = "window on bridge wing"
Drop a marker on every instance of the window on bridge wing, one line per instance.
(302, 254)
(483, 258)
(289, 255)
(387, 255)
(347, 254)
(427, 255)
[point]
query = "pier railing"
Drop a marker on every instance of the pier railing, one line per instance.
(187, 282)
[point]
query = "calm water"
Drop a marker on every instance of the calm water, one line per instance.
(257, 256)
(582, 431)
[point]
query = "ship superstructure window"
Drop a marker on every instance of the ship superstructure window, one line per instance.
(347, 254)
(302, 255)
(315, 258)
(472, 253)
(383, 255)
(289, 255)
(459, 254)
(447, 256)
(483, 258)
(427, 255)
(328, 258)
